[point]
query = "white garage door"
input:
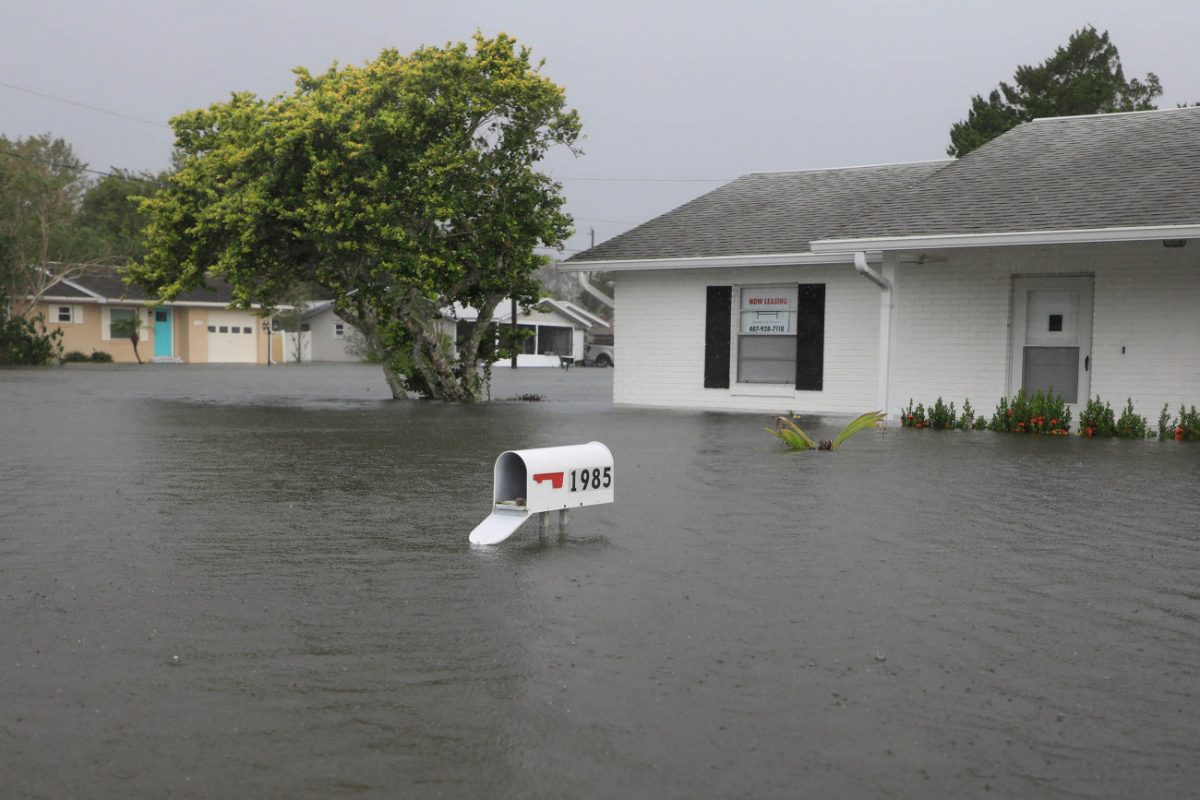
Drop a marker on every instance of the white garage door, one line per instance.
(231, 338)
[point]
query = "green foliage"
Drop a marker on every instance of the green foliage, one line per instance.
(97, 357)
(787, 431)
(1041, 412)
(966, 421)
(398, 187)
(1185, 427)
(913, 417)
(55, 221)
(110, 217)
(870, 419)
(1129, 425)
(1084, 77)
(790, 434)
(942, 417)
(1097, 419)
(27, 341)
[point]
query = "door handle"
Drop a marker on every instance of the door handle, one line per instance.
(1087, 360)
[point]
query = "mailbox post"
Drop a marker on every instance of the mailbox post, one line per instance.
(528, 482)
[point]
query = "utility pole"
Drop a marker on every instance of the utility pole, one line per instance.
(514, 332)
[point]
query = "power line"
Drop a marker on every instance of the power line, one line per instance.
(652, 180)
(608, 221)
(75, 168)
(85, 105)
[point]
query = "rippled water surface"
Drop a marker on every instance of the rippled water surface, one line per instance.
(252, 582)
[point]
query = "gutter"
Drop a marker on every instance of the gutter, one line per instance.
(805, 259)
(831, 247)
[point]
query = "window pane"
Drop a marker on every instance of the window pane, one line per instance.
(767, 359)
(1052, 368)
(115, 316)
(554, 340)
(528, 344)
(64, 313)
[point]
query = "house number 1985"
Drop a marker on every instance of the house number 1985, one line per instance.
(595, 478)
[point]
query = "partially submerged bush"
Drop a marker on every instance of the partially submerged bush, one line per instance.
(27, 341)
(97, 357)
(1129, 424)
(1041, 412)
(788, 432)
(1185, 427)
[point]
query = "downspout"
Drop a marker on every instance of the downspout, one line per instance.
(593, 291)
(886, 304)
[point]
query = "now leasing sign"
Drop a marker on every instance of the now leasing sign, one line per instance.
(769, 310)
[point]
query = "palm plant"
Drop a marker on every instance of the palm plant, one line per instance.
(128, 327)
(788, 432)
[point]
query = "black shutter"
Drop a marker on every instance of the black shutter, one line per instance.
(810, 337)
(716, 337)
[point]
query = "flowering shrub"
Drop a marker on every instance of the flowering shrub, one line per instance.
(1096, 419)
(1130, 425)
(1047, 413)
(913, 417)
(1042, 412)
(1184, 428)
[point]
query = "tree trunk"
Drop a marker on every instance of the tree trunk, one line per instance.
(394, 381)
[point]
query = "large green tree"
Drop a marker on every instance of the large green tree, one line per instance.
(41, 186)
(1084, 77)
(110, 217)
(57, 222)
(399, 187)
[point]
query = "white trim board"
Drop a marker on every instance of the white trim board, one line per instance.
(716, 262)
(830, 247)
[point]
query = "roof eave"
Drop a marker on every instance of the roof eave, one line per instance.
(831, 247)
(806, 259)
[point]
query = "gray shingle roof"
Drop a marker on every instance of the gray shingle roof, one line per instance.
(105, 282)
(762, 213)
(1066, 173)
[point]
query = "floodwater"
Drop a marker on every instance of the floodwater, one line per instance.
(256, 582)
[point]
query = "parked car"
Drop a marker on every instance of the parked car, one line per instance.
(599, 351)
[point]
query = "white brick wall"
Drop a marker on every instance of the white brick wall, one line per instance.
(660, 341)
(952, 324)
(952, 330)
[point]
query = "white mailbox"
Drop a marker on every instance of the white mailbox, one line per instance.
(528, 482)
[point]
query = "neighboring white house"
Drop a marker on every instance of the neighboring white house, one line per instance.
(558, 330)
(1060, 255)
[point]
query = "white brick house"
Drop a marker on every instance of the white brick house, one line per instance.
(1058, 255)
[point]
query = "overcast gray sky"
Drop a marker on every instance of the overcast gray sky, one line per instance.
(678, 95)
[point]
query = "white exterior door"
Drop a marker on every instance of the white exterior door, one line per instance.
(1052, 337)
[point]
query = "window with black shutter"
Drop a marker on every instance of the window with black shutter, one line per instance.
(780, 337)
(716, 337)
(810, 337)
